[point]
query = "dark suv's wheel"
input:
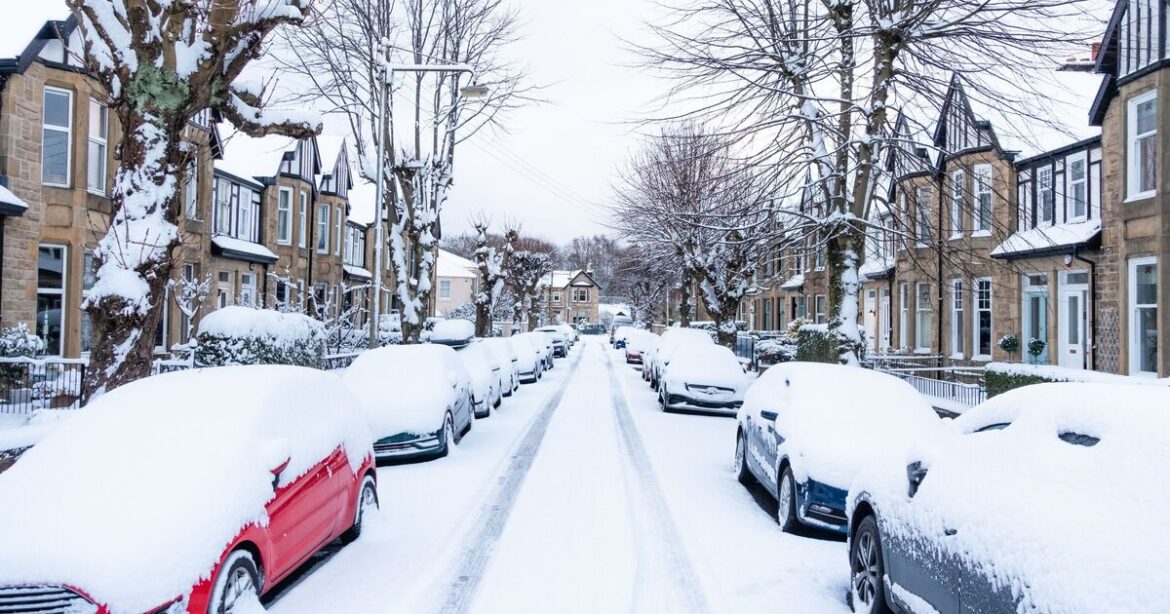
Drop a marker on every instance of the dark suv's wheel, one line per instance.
(867, 593)
(238, 585)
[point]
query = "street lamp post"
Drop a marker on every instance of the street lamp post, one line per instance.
(385, 128)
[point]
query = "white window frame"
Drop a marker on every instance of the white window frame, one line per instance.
(923, 314)
(303, 236)
(323, 227)
(223, 209)
(819, 261)
(982, 177)
(583, 298)
(921, 216)
(284, 231)
(1045, 196)
(445, 289)
(340, 223)
(1073, 184)
(1134, 307)
(958, 186)
(68, 130)
(63, 292)
(819, 315)
(244, 221)
(191, 191)
(976, 310)
(903, 315)
(958, 328)
(1133, 178)
(556, 297)
(102, 142)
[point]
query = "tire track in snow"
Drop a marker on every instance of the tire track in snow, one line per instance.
(485, 531)
(660, 550)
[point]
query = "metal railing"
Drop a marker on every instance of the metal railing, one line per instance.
(745, 350)
(28, 384)
(965, 394)
(338, 361)
(930, 374)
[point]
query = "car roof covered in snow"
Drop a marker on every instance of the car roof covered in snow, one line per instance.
(406, 388)
(166, 469)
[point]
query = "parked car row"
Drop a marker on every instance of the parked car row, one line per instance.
(238, 475)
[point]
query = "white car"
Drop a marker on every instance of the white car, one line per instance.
(570, 333)
(416, 398)
(509, 363)
(529, 358)
(484, 369)
(455, 333)
(806, 430)
(1046, 498)
(559, 340)
(542, 340)
(706, 378)
(669, 343)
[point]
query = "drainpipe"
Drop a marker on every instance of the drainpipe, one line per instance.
(939, 291)
(890, 305)
(1092, 305)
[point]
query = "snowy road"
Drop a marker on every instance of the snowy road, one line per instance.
(577, 496)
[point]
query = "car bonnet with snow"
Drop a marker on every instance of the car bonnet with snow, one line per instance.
(406, 388)
(455, 333)
(674, 339)
(697, 369)
(1065, 505)
(834, 420)
(134, 499)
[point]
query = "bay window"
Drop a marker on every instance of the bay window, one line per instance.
(98, 144)
(56, 137)
(1142, 150)
(983, 178)
(923, 317)
(958, 184)
(323, 229)
(284, 217)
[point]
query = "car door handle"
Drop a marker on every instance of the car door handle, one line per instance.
(950, 532)
(768, 415)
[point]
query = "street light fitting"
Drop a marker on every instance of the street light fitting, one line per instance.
(474, 92)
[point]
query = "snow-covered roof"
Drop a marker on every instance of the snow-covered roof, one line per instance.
(874, 268)
(8, 200)
(241, 249)
(452, 265)
(795, 282)
(617, 309)
(329, 146)
(560, 279)
(362, 201)
(357, 272)
(252, 157)
(1048, 238)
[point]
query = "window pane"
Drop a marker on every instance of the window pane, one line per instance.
(55, 157)
(97, 120)
(1074, 312)
(1147, 330)
(96, 174)
(985, 333)
(1147, 152)
(1146, 117)
(1147, 284)
(51, 268)
(57, 109)
(49, 322)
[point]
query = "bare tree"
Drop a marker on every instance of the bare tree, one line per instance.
(809, 88)
(345, 54)
(163, 65)
(525, 271)
(689, 201)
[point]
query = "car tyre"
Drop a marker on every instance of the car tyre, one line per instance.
(662, 400)
(448, 434)
(367, 498)
(786, 501)
(239, 582)
(867, 568)
(742, 473)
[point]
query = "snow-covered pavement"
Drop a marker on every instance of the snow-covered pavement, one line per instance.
(577, 496)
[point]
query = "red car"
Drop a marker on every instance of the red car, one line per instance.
(187, 492)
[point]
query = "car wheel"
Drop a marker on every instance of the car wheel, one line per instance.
(786, 502)
(662, 399)
(867, 593)
(742, 473)
(449, 436)
(367, 499)
(237, 587)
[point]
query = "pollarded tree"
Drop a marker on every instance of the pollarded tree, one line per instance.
(525, 270)
(493, 273)
(163, 65)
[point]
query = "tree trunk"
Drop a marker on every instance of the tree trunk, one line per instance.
(483, 319)
(843, 258)
(684, 305)
(145, 210)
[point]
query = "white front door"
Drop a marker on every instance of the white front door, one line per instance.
(1073, 315)
(871, 320)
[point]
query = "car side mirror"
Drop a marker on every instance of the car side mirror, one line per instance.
(915, 473)
(277, 471)
(276, 456)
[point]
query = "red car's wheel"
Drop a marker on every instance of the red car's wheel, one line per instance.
(237, 587)
(367, 499)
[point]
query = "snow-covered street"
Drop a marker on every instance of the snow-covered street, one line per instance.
(579, 495)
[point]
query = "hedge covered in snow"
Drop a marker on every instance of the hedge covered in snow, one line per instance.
(245, 336)
(776, 350)
(1001, 377)
(815, 344)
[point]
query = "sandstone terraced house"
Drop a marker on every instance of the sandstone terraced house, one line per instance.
(570, 297)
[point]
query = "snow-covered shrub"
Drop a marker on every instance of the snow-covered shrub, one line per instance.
(1036, 347)
(1000, 377)
(1009, 344)
(466, 311)
(814, 343)
(17, 341)
(244, 336)
(776, 350)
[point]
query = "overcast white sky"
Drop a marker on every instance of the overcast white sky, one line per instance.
(553, 169)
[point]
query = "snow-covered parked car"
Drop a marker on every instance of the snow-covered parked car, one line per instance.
(455, 332)
(416, 398)
(672, 340)
(638, 344)
(194, 491)
(571, 334)
(706, 378)
(1047, 498)
(620, 334)
(484, 370)
(807, 429)
(559, 340)
(529, 358)
(543, 341)
(509, 363)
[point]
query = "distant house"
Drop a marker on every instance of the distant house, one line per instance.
(457, 279)
(570, 297)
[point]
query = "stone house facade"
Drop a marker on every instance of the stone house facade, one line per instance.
(570, 297)
(57, 143)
